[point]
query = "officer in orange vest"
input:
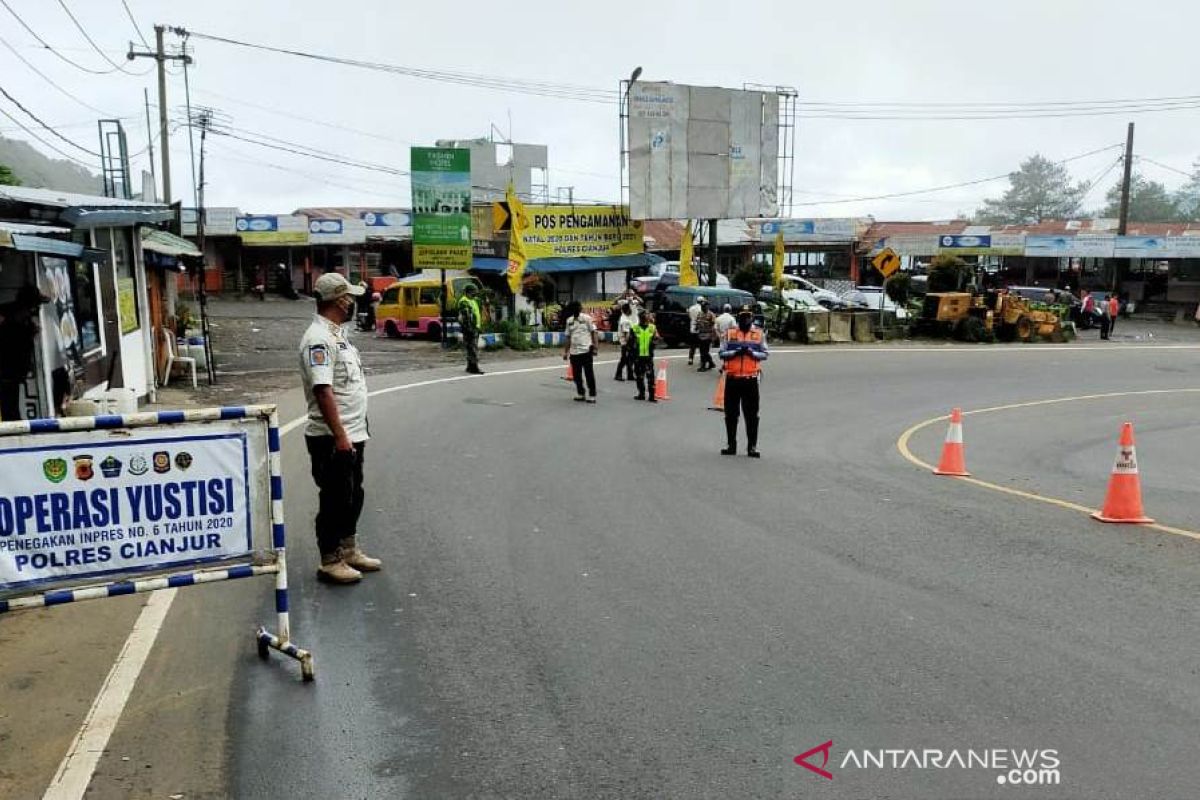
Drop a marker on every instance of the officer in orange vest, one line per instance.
(743, 351)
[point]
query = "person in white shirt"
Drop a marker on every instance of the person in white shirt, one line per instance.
(693, 342)
(624, 325)
(336, 434)
(581, 349)
(725, 322)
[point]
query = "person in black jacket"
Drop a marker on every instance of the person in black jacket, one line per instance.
(18, 331)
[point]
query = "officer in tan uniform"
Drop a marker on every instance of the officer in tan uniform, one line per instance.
(336, 434)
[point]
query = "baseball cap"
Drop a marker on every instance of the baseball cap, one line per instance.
(331, 286)
(727, 307)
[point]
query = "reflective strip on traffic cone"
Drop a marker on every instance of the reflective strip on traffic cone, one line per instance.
(719, 395)
(954, 460)
(660, 382)
(1123, 502)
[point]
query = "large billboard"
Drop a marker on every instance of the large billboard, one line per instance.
(581, 231)
(441, 195)
(272, 230)
(702, 153)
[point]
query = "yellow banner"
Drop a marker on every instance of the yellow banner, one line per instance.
(516, 241)
(577, 231)
(780, 255)
(273, 238)
(127, 305)
(441, 256)
(687, 272)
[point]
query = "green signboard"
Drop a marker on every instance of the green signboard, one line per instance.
(441, 201)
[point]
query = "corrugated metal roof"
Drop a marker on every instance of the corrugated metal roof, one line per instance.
(57, 199)
(26, 227)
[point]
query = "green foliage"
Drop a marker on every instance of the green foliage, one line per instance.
(899, 287)
(948, 273)
(1039, 190)
(515, 337)
(7, 178)
(1187, 199)
(1149, 201)
(751, 278)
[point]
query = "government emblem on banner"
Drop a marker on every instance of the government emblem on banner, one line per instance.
(55, 469)
(138, 465)
(162, 462)
(83, 468)
(110, 467)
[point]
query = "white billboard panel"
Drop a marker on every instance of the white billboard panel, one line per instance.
(702, 152)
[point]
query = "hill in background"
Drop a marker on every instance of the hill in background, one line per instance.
(38, 171)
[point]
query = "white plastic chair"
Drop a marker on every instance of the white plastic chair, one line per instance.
(174, 358)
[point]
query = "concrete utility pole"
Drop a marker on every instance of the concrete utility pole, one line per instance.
(160, 56)
(712, 252)
(1123, 221)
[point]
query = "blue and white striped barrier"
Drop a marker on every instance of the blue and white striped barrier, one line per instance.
(55, 469)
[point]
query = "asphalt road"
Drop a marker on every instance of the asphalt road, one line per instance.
(589, 602)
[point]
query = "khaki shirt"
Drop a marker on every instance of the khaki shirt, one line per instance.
(327, 358)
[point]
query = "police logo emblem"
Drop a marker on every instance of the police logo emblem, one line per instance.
(110, 467)
(162, 462)
(55, 469)
(83, 468)
(138, 465)
(183, 460)
(318, 356)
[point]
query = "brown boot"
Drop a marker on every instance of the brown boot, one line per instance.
(357, 558)
(334, 570)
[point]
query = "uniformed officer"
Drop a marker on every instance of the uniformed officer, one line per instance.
(470, 320)
(744, 349)
(336, 434)
(641, 346)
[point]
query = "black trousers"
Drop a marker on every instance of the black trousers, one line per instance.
(582, 367)
(471, 348)
(741, 397)
(10, 400)
(1105, 325)
(706, 359)
(644, 368)
(626, 362)
(339, 479)
(693, 343)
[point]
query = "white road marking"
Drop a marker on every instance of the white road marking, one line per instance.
(79, 765)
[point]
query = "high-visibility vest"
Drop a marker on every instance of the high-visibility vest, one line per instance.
(1114, 307)
(644, 337)
(743, 365)
(473, 306)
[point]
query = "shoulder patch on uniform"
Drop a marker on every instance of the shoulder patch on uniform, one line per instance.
(318, 355)
(343, 346)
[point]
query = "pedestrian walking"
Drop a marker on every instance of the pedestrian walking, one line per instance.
(470, 320)
(1105, 320)
(1114, 311)
(726, 322)
(706, 333)
(581, 349)
(625, 322)
(643, 335)
(743, 352)
(693, 343)
(336, 433)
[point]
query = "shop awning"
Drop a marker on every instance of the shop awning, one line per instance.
(117, 216)
(29, 243)
(167, 243)
(563, 266)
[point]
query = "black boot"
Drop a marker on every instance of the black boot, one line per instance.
(752, 437)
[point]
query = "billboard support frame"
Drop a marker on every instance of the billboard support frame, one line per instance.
(265, 639)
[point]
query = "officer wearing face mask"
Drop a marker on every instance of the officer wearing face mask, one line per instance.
(743, 351)
(336, 434)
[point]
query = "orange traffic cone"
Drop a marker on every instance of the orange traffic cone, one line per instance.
(660, 382)
(719, 395)
(953, 461)
(1123, 502)
(570, 376)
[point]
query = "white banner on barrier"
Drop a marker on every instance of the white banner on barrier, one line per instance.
(91, 503)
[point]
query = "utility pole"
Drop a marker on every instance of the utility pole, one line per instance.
(149, 144)
(712, 252)
(160, 56)
(204, 120)
(1123, 222)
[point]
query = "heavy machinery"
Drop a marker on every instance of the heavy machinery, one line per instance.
(977, 317)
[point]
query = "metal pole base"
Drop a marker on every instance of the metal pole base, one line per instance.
(268, 641)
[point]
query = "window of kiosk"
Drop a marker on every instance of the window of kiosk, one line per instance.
(127, 299)
(85, 302)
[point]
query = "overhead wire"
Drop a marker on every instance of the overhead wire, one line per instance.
(39, 121)
(46, 45)
(1148, 160)
(65, 155)
(960, 185)
(134, 22)
(116, 67)
(48, 80)
(1094, 182)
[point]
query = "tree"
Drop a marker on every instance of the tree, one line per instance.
(752, 277)
(7, 178)
(1187, 199)
(948, 273)
(1039, 190)
(1149, 201)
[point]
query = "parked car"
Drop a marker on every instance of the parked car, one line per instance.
(823, 296)
(670, 308)
(873, 298)
(1127, 306)
(665, 281)
(797, 299)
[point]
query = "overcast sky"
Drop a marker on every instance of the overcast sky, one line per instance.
(872, 50)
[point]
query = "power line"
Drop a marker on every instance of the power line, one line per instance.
(999, 104)
(1191, 175)
(933, 189)
(540, 88)
(47, 79)
(44, 142)
(116, 67)
(1021, 114)
(1094, 182)
(136, 27)
(47, 46)
(39, 121)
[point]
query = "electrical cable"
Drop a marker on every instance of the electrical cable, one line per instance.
(991, 104)
(1096, 182)
(930, 190)
(47, 79)
(1191, 175)
(39, 121)
(44, 142)
(136, 27)
(47, 46)
(116, 67)
(1004, 116)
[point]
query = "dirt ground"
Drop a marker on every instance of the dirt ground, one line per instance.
(256, 343)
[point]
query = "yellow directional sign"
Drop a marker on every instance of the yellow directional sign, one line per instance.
(501, 217)
(887, 261)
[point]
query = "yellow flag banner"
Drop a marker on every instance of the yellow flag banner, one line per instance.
(687, 272)
(516, 241)
(780, 257)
